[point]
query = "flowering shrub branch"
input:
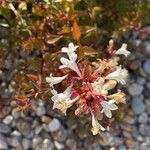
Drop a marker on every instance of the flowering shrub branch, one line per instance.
(90, 84)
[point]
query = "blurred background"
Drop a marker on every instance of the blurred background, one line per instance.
(33, 31)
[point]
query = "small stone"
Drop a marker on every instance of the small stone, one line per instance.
(122, 147)
(117, 141)
(141, 80)
(147, 103)
(138, 105)
(45, 127)
(16, 133)
(8, 119)
(26, 144)
(127, 127)
(132, 144)
(140, 138)
(135, 132)
(148, 85)
(45, 119)
(143, 118)
(61, 135)
(4, 128)
(54, 125)
(38, 129)
(15, 141)
(146, 66)
(129, 119)
(4, 111)
(145, 144)
(144, 130)
(40, 111)
(6, 94)
(3, 142)
(15, 114)
(36, 141)
(45, 135)
(147, 47)
(135, 89)
(72, 144)
(126, 134)
(134, 65)
(137, 43)
(35, 123)
(106, 139)
(59, 146)
(25, 128)
(45, 145)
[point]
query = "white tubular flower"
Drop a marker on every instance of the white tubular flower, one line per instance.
(123, 50)
(96, 126)
(107, 107)
(70, 49)
(120, 75)
(99, 87)
(66, 63)
(62, 101)
(119, 97)
(54, 80)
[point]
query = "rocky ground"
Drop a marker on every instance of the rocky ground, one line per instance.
(40, 130)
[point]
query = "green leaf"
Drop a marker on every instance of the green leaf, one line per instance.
(52, 39)
(3, 23)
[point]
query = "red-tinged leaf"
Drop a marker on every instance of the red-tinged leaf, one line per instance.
(22, 100)
(32, 76)
(76, 33)
(45, 70)
(65, 30)
(22, 108)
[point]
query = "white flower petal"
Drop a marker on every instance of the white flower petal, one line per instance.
(64, 49)
(71, 45)
(96, 126)
(123, 50)
(62, 101)
(108, 113)
(64, 61)
(62, 66)
(113, 107)
(54, 80)
(107, 107)
(69, 64)
(70, 49)
(120, 75)
(73, 57)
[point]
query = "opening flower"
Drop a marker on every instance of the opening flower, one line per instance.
(96, 126)
(62, 101)
(54, 80)
(99, 87)
(70, 49)
(108, 106)
(120, 75)
(70, 63)
(119, 97)
(123, 50)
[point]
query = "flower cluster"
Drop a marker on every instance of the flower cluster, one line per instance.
(90, 85)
